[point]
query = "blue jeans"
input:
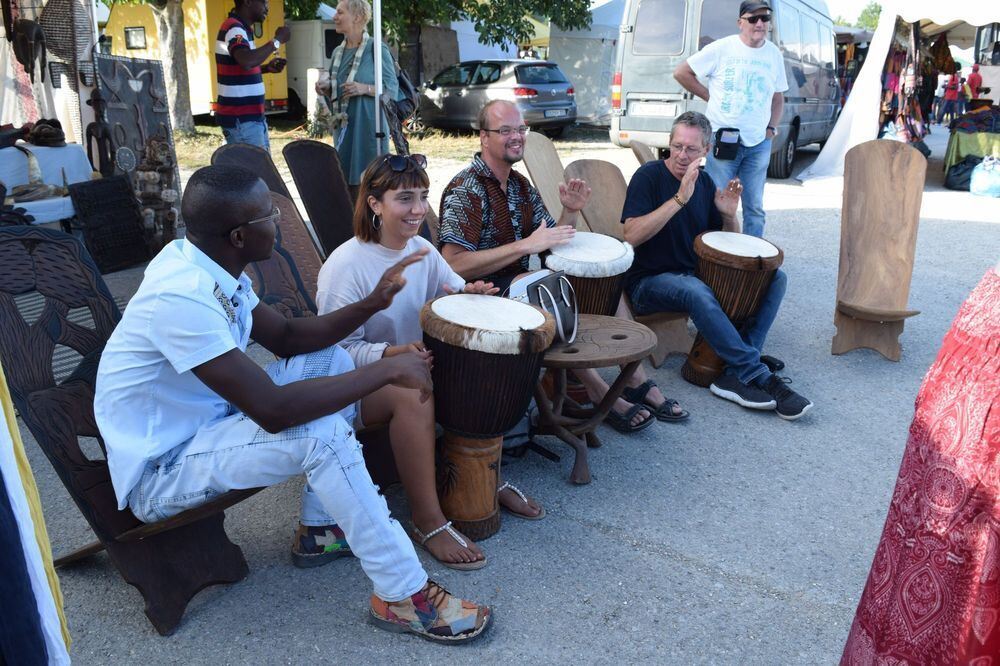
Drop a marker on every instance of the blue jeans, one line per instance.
(683, 292)
(750, 165)
(253, 132)
(234, 452)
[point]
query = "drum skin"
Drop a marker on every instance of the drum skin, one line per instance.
(739, 284)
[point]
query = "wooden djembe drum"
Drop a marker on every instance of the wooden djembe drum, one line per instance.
(595, 265)
(739, 269)
(487, 355)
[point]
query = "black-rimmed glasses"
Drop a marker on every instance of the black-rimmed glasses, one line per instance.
(275, 216)
(507, 131)
(754, 20)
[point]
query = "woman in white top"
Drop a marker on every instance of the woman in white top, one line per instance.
(391, 206)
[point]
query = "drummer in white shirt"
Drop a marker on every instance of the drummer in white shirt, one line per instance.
(670, 202)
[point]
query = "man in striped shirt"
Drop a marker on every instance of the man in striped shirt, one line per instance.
(239, 65)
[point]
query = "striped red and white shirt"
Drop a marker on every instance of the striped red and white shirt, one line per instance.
(241, 91)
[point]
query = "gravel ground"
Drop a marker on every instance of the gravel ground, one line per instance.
(735, 538)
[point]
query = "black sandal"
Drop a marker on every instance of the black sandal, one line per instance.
(623, 422)
(665, 412)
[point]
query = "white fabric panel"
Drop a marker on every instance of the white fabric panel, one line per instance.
(51, 628)
(52, 161)
(248, 90)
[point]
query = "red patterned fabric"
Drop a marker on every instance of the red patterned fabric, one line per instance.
(933, 592)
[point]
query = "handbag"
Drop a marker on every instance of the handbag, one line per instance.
(959, 175)
(554, 294)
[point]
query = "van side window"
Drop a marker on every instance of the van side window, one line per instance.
(788, 31)
(826, 48)
(810, 40)
(331, 38)
(659, 27)
(718, 20)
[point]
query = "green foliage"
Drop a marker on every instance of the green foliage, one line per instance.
(840, 20)
(869, 16)
(497, 22)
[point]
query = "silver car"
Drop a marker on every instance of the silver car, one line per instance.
(453, 98)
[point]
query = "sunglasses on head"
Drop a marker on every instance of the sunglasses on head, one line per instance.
(399, 163)
(766, 18)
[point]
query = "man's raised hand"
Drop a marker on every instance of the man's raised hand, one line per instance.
(728, 198)
(392, 281)
(574, 194)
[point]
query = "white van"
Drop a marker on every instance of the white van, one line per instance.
(658, 35)
(311, 46)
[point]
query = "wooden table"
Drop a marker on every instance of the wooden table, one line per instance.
(601, 342)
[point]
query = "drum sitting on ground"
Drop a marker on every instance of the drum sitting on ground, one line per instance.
(595, 265)
(739, 269)
(487, 355)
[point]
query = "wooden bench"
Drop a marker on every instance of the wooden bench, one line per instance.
(883, 188)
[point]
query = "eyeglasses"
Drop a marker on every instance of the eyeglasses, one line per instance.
(275, 216)
(766, 18)
(507, 131)
(685, 150)
(399, 163)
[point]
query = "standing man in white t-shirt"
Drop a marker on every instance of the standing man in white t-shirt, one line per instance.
(746, 80)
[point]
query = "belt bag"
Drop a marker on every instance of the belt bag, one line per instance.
(554, 294)
(727, 142)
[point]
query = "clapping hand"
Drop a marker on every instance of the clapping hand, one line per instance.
(574, 194)
(727, 198)
(392, 281)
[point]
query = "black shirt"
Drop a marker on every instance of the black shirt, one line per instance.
(671, 250)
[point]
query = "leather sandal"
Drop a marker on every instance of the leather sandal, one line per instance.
(623, 422)
(665, 412)
(421, 539)
(524, 498)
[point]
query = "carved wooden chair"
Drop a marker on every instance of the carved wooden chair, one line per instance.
(883, 187)
(254, 159)
(642, 152)
(320, 180)
(545, 169)
(168, 561)
(603, 215)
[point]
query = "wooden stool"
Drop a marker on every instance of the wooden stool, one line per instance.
(883, 187)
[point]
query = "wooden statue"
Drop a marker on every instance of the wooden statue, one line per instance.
(883, 187)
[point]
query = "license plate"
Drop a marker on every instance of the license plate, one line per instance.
(555, 113)
(653, 109)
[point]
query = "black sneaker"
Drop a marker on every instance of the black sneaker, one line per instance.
(773, 364)
(790, 405)
(730, 388)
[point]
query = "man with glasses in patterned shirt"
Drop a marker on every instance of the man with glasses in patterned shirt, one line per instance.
(742, 77)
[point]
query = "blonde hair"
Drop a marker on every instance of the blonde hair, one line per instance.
(362, 8)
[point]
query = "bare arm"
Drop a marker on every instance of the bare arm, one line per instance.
(301, 335)
(475, 264)
(777, 107)
(640, 229)
(250, 58)
(243, 383)
(689, 80)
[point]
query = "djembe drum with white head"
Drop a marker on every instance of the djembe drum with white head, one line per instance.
(595, 265)
(487, 355)
(739, 269)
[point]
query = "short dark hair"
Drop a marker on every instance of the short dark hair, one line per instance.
(694, 119)
(378, 179)
(215, 196)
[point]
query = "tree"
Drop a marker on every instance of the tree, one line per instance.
(869, 16)
(840, 20)
(169, 15)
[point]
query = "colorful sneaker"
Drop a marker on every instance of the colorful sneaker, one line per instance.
(315, 546)
(432, 613)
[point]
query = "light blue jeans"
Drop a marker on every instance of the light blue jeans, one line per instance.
(750, 165)
(234, 453)
(683, 292)
(253, 132)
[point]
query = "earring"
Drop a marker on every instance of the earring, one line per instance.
(376, 222)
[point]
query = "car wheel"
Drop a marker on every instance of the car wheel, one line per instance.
(415, 124)
(781, 161)
(554, 132)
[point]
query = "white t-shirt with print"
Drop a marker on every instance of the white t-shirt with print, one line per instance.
(741, 82)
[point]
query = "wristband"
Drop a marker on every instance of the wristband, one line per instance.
(276, 44)
(677, 199)
(771, 128)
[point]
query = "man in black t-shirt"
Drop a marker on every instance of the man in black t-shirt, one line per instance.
(670, 202)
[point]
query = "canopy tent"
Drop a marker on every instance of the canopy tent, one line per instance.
(587, 57)
(858, 120)
(539, 32)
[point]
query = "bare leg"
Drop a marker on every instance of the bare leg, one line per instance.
(654, 397)
(513, 503)
(411, 432)
(597, 387)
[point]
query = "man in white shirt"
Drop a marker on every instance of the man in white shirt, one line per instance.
(186, 415)
(746, 80)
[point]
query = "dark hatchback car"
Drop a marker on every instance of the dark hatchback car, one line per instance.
(453, 98)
